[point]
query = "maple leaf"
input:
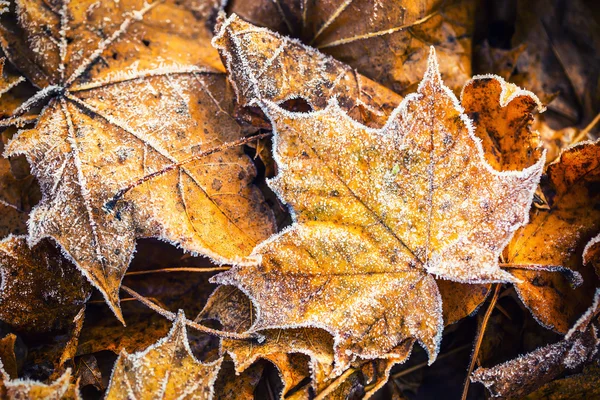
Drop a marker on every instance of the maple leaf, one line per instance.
(131, 89)
(518, 377)
(263, 64)
(379, 212)
(556, 236)
(39, 289)
(387, 41)
(61, 388)
(167, 370)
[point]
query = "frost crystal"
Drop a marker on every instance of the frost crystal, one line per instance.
(378, 213)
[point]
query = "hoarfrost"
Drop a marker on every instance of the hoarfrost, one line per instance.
(119, 106)
(518, 377)
(165, 370)
(377, 213)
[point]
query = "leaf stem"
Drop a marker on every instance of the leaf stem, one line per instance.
(172, 316)
(575, 279)
(110, 205)
(584, 132)
(177, 269)
(479, 339)
(333, 385)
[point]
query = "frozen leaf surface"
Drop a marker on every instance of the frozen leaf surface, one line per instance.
(165, 370)
(387, 41)
(234, 310)
(264, 65)
(557, 235)
(503, 114)
(378, 213)
(591, 254)
(525, 374)
(39, 289)
(7, 355)
(230, 386)
(131, 87)
(62, 388)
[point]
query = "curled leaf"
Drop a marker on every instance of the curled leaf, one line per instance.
(556, 236)
(264, 65)
(525, 374)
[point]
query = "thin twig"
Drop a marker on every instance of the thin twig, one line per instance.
(172, 316)
(479, 339)
(333, 385)
(177, 269)
(575, 279)
(112, 202)
(584, 132)
(425, 364)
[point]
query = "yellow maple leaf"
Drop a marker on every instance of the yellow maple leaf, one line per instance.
(378, 213)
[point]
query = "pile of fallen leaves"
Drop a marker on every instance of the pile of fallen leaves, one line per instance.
(326, 199)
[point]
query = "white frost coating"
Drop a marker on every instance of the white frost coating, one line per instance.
(386, 139)
(136, 15)
(585, 319)
(506, 86)
(595, 241)
(165, 350)
(23, 386)
(133, 73)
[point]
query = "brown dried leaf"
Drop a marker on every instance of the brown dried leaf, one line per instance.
(581, 386)
(282, 347)
(62, 388)
(503, 113)
(88, 372)
(387, 41)
(265, 65)
(554, 141)
(40, 290)
(230, 386)
(168, 369)
(591, 254)
(8, 103)
(7, 355)
(556, 236)
(131, 87)
(378, 212)
(525, 374)
(491, 60)
(460, 300)
(560, 61)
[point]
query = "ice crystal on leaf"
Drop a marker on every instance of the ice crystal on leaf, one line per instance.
(129, 88)
(265, 65)
(518, 377)
(287, 349)
(379, 213)
(388, 41)
(165, 370)
(61, 388)
(557, 235)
